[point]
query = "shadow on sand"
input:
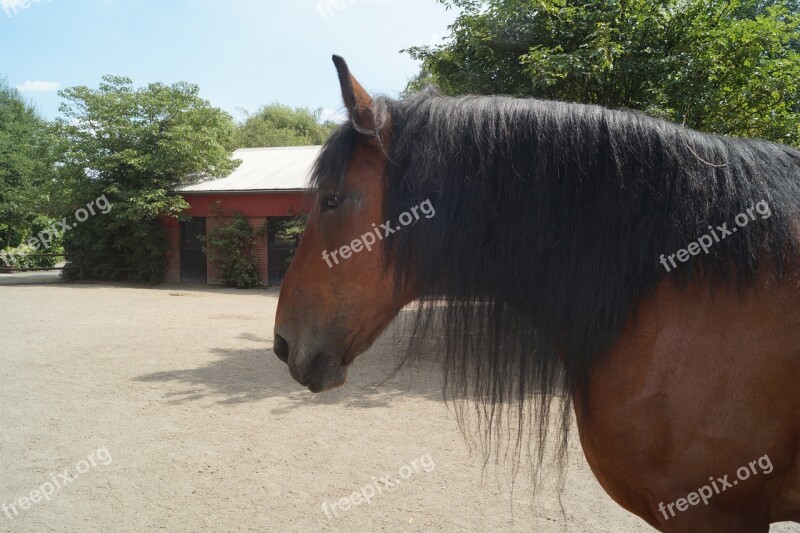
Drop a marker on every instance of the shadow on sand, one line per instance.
(253, 374)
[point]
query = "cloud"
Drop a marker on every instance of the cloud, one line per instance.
(327, 8)
(336, 115)
(38, 86)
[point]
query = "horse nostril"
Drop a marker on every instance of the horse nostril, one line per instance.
(281, 348)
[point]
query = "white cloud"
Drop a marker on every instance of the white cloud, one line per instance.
(336, 115)
(38, 86)
(327, 8)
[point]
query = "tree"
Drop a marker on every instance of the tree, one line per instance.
(26, 166)
(134, 146)
(280, 125)
(724, 66)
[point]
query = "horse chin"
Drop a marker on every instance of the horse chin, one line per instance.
(328, 381)
(321, 375)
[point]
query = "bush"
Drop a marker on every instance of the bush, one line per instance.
(230, 245)
(130, 251)
(24, 256)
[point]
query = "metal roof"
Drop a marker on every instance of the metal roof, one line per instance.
(264, 169)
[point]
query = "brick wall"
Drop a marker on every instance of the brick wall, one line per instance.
(262, 249)
(172, 229)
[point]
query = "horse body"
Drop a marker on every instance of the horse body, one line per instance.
(698, 385)
(542, 267)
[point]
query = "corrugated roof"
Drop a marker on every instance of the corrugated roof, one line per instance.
(264, 169)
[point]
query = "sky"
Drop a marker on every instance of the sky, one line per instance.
(243, 54)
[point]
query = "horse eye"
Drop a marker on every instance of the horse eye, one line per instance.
(332, 201)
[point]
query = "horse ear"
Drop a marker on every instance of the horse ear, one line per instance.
(356, 99)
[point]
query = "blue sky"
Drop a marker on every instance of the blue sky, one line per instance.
(242, 53)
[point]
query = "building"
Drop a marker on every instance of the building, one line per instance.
(271, 184)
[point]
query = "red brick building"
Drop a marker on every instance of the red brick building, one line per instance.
(271, 184)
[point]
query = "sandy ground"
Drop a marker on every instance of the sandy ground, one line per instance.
(166, 410)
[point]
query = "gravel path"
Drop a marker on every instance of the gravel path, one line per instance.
(166, 410)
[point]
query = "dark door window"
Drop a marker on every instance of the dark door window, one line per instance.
(193, 259)
(281, 246)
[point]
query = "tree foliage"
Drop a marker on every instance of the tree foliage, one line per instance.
(724, 66)
(26, 167)
(293, 228)
(134, 145)
(280, 125)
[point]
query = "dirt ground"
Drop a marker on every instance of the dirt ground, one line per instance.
(143, 409)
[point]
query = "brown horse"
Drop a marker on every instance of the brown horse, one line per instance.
(644, 273)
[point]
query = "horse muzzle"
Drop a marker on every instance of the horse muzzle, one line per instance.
(311, 367)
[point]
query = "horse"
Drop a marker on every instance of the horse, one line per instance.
(642, 273)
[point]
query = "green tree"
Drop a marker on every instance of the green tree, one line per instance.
(26, 167)
(724, 66)
(280, 125)
(134, 145)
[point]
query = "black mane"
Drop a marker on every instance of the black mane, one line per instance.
(550, 221)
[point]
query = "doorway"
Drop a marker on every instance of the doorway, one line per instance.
(281, 248)
(193, 258)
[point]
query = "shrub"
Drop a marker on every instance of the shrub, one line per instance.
(131, 251)
(231, 248)
(23, 257)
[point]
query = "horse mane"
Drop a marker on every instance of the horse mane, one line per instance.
(550, 221)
